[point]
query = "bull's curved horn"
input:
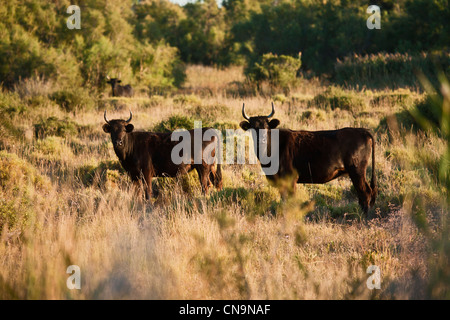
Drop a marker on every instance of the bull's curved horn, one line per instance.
(131, 116)
(273, 112)
(243, 112)
(108, 77)
(106, 119)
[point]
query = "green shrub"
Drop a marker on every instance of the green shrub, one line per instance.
(312, 115)
(55, 127)
(334, 98)
(279, 98)
(254, 202)
(230, 195)
(279, 71)
(208, 113)
(348, 211)
(301, 98)
(157, 67)
(10, 106)
(190, 99)
(51, 148)
(400, 97)
(31, 58)
(9, 133)
(169, 188)
(11, 103)
(71, 100)
(388, 70)
(22, 189)
(101, 174)
(173, 123)
(153, 101)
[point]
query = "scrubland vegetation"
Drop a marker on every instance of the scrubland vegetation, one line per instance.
(65, 199)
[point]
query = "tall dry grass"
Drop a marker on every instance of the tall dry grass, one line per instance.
(239, 243)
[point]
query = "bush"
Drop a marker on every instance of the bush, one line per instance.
(10, 104)
(21, 187)
(35, 43)
(55, 127)
(158, 67)
(313, 115)
(257, 202)
(279, 98)
(187, 100)
(334, 98)
(168, 188)
(388, 70)
(279, 71)
(32, 58)
(209, 113)
(103, 173)
(71, 100)
(402, 97)
(173, 123)
(153, 101)
(52, 148)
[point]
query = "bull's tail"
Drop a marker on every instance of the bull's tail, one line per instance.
(373, 183)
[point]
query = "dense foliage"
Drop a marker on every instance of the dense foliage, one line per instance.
(35, 41)
(146, 42)
(244, 30)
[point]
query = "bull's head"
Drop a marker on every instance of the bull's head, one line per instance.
(115, 86)
(263, 138)
(113, 81)
(118, 130)
(259, 122)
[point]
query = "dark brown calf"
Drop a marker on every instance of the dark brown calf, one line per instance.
(145, 155)
(320, 156)
(119, 90)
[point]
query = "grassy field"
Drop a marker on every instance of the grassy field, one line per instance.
(65, 200)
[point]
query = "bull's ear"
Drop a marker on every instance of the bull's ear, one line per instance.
(274, 123)
(129, 127)
(119, 81)
(245, 125)
(107, 128)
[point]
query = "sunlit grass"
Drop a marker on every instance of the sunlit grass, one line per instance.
(243, 242)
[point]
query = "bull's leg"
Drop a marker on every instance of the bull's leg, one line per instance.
(203, 175)
(215, 176)
(212, 177)
(147, 181)
(358, 177)
(138, 184)
(148, 187)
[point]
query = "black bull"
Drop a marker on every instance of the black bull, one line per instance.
(119, 90)
(145, 155)
(320, 156)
